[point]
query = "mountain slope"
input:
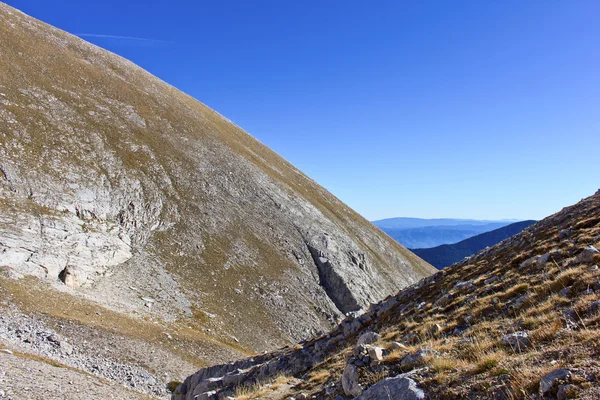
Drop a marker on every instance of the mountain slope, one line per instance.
(448, 254)
(518, 320)
(163, 216)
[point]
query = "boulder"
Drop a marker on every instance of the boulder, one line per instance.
(564, 233)
(443, 301)
(368, 338)
(587, 254)
(567, 392)
(73, 276)
(401, 387)
(419, 356)
(553, 378)
(518, 341)
(350, 381)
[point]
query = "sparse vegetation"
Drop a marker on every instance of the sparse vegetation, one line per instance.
(555, 303)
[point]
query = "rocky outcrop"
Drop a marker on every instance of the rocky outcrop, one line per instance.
(112, 179)
(425, 342)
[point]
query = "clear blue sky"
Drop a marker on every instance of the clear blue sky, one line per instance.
(473, 109)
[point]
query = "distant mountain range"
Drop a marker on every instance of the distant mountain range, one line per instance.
(424, 233)
(447, 254)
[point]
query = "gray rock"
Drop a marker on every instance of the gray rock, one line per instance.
(543, 260)
(518, 341)
(73, 276)
(443, 301)
(566, 292)
(397, 346)
(466, 286)
(369, 337)
(529, 262)
(564, 233)
(350, 381)
(553, 377)
(301, 396)
(66, 348)
(419, 356)
(587, 254)
(376, 354)
(402, 388)
(566, 392)
(520, 301)
(359, 350)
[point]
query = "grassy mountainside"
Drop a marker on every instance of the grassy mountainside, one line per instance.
(123, 194)
(518, 320)
(448, 254)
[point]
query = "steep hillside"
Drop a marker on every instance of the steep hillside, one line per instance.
(518, 320)
(151, 219)
(448, 254)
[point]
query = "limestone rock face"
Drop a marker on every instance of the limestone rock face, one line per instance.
(105, 168)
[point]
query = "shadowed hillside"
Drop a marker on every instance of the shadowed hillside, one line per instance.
(448, 254)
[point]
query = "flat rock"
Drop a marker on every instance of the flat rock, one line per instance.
(419, 356)
(401, 387)
(550, 379)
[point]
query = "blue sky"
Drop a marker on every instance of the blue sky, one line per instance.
(467, 109)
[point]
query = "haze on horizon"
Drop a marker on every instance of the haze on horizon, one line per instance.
(442, 109)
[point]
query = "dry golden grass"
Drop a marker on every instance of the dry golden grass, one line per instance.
(516, 290)
(445, 364)
(319, 376)
(259, 390)
(488, 361)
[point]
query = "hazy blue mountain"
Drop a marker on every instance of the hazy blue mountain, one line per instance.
(423, 233)
(431, 236)
(409, 223)
(447, 254)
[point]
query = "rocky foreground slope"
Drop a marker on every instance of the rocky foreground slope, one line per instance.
(138, 221)
(518, 320)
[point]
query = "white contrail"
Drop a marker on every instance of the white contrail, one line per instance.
(138, 39)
